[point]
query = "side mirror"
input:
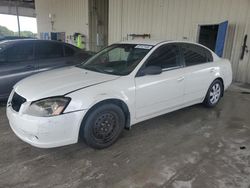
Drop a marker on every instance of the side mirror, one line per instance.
(152, 70)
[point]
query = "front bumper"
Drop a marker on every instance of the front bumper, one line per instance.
(46, 132)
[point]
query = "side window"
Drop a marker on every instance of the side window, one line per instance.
(46, 50)
(68, 51)
(20, 52)
(194, 54)
(165, 57)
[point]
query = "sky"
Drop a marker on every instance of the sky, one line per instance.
(26, 23)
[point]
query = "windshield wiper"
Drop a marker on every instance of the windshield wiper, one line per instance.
(94, 68)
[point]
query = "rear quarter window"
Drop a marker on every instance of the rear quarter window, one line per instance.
(209, 55)
(69, 51)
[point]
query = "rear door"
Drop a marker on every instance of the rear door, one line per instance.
(49, 55)
(17, 63)
(199, 71)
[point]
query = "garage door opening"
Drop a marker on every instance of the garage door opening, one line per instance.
(213, 36)
(10, 28)
(208, 35)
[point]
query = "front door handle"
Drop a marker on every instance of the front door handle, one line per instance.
(30, 67)
(180, 79)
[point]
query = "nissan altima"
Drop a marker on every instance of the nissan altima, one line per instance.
(122, 85)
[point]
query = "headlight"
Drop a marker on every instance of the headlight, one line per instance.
(48, 107)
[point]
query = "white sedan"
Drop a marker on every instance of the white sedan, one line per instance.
(122, 85)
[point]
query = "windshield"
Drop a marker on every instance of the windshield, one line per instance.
(118, 59)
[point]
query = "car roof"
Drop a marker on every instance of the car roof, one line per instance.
(144, 42)
(27, 40)
(158, 42)
(16, 41)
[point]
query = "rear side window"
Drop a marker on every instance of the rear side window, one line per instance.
(209, 55)
(68, 51)
(166, 57)
(47, 50)
(195, 55)
(20, 52)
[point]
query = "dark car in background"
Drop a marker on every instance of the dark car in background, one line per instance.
(22, 58)
(3, 38)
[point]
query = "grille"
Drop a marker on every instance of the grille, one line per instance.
(17, 102)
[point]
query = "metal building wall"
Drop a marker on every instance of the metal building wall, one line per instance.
(70, 16)
(98, 24)
(178, 20)
(22, 11)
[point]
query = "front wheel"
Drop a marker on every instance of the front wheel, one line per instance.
(103, 126)
(214, 94)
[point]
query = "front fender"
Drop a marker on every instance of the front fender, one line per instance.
(86, 98)
(83, 100)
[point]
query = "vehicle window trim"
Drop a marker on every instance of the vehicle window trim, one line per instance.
(171, 68)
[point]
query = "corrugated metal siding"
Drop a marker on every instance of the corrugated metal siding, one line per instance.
(163, 19)
(22, 11)
(179, 19)
(70, 16)
(243, 69)
(98, 24)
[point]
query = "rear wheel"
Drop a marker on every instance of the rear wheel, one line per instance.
(103, 126)
(214, 94)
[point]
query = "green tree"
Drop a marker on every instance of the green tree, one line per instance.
(4, 31)
(25, 34)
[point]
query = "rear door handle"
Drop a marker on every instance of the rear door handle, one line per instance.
(180, 79)
(212, 70)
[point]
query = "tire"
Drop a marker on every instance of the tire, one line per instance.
(103, 126)
(214, 94)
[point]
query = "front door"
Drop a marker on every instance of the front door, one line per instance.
(157, 94)
(18, 63)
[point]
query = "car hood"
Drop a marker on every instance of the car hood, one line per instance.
(59, 82)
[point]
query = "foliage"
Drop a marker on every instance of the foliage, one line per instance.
(4, 31)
